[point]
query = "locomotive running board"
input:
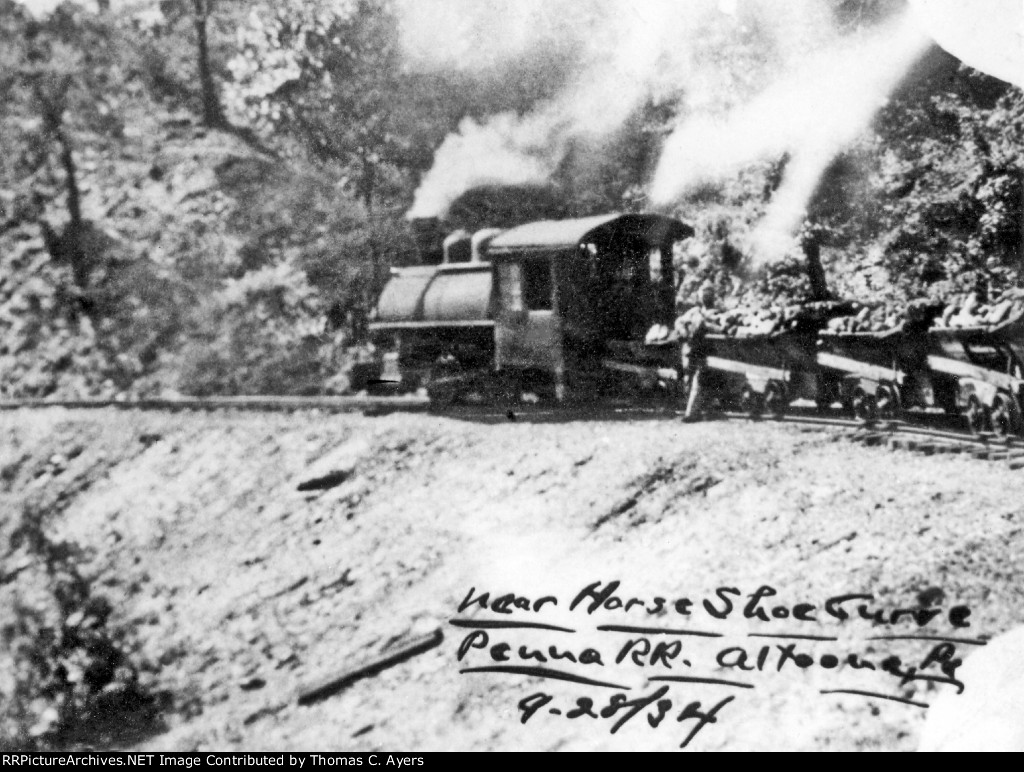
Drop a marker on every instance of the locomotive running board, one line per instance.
(861, 369)
(434, 325)
(967, 370)
(759, 372)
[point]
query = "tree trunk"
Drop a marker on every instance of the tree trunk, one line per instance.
(212, 114)
(71, 244)
(368, 183)
(815, 270)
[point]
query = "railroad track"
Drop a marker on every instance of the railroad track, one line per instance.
(902, 435)
(264, 404)
(897, 434)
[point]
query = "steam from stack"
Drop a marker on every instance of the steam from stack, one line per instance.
(818, 91)
(809, 97)
(811, 113)
(627, 53)
(623, 51)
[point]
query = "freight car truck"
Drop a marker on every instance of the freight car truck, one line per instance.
(987, 363)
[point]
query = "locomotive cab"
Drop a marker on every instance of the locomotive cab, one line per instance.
(575, 297)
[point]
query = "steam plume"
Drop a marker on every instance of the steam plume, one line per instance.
(812, 112)
(507, 150)
(621, 47)
(804, 89)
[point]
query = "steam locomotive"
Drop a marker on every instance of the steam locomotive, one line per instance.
(580, 309)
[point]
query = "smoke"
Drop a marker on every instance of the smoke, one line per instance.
(618, 49)
(751, 80)
(811, 112)
(507, 150)
(599, 98)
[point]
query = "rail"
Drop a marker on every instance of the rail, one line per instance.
(267, 404)
(996, 448)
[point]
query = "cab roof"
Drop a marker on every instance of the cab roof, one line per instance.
(552, 235)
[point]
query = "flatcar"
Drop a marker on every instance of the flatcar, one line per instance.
(987, 365)
(973, 371)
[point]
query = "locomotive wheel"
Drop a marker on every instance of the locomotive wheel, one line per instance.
(1002, 416)
(444, 384)
(442, 395)
(506, 389)
(775, 400)
(751, 402)
(887, 406)
(864, 406)
(975, 415)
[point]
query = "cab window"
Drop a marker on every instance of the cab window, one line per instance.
(537, 286)
(510, 286)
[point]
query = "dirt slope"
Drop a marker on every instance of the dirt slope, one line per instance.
(245, 589)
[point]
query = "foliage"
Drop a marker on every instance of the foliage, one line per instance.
(183, 226)
(326, 74)
(62, 87)
(504, 206)
(268, 336)
(77, 671)
(951, 218)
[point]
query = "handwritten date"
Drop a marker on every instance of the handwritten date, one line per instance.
(656, 705)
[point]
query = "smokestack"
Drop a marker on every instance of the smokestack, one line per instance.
(429, 239)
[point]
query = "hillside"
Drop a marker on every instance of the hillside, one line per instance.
(206, 198)
(203, 247)
(242, 589)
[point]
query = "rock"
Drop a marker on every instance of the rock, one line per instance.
(148, 439)
(325, 481)
(335, 467)
(252, 684)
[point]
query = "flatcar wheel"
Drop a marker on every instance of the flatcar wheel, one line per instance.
(887, 405)
(827, 394)
(775, 400)
(864, 406)
(751, 402)
(975, 415)
(1001, 416)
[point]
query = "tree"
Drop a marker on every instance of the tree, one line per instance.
(58, 88)
(212, 114)
(327, 75)
(950, 179)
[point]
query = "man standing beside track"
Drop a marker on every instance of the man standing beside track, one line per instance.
(695, 352)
